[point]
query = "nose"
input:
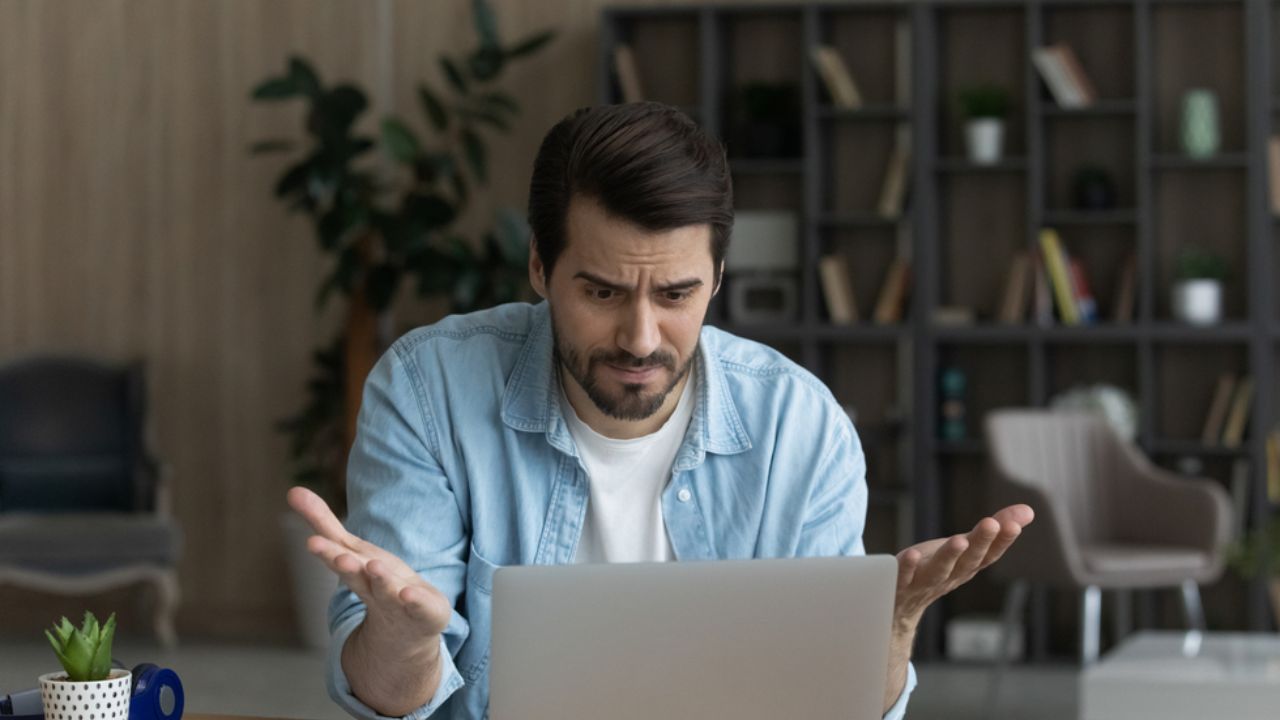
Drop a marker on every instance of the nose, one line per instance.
(638, 333)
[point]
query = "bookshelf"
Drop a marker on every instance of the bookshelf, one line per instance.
(964, 222)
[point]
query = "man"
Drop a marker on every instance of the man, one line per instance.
(603, 425)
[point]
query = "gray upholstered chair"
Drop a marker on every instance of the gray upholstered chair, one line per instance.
(83, 505)
(1106, 518)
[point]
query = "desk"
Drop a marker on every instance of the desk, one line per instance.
(1233, 675)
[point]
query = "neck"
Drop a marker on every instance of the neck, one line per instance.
(615, 428)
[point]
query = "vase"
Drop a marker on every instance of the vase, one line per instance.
(99, 700)
(1198, 302)
(985, 139)
(1201, 134)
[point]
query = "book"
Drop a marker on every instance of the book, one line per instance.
(624, 62)
(1056, 265)
(1273, 172)
(1238, 418)
(895, 178)
(1053, 70)
(836, 77)
(892, 293)
(1075, 72)
(1042, 306)
(1013, 306)
(1217, 415)
(837, 289)
(1122, 309)
(1085, 304)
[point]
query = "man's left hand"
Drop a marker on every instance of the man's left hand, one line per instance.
(931, 569)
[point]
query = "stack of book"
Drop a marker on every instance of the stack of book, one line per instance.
(1228, 414)
(837, 291)
(1069, 285)
(1065, 76)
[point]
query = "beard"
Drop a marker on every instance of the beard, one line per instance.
(632, 403)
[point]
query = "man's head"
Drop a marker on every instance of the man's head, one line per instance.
(631, 207)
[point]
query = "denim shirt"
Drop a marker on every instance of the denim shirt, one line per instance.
(463, 463)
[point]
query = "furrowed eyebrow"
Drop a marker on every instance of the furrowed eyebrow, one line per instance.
(669, 287)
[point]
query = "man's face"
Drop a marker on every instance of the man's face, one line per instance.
(627, 307)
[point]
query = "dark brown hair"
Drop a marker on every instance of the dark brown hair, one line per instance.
(647, 163)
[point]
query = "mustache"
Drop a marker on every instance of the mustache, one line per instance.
(627, 360)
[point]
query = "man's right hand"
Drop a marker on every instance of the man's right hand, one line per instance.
(405, 614)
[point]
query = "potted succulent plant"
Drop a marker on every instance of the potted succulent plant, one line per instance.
(985, 108)
(88, 688)
(1197, 287)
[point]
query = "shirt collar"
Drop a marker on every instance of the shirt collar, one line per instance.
(531, 399)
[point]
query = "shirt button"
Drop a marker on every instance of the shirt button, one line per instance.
(684, 495)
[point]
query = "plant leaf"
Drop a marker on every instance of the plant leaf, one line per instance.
(435, 109)
(530, 44)
(431, 211)
(64, 630)
(500, 100)
(294, 179)
(304, 77)
(100, 666)
(477, 156)
(486, 23)
(382, 283)
(79, 656)
(454, 75)
(486, 63)
(280, 88)
(400, 141)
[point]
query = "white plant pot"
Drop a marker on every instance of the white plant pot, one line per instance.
(102, 700)
(1198, 302)
(985, 140)
(313, 583)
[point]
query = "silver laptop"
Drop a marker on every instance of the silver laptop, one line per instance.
(742, 639)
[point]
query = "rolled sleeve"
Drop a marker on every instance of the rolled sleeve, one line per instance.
(340, 689)
(899, 709)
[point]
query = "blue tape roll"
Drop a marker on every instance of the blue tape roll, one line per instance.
(157, 694)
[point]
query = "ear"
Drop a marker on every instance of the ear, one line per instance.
(536, 277)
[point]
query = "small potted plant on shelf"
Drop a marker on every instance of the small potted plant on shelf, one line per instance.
(1197, 287)
(985, 108)
(88, 688)
(1247, 557)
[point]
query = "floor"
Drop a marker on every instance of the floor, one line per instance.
(289, 683)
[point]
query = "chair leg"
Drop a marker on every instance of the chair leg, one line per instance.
(1015, 601)
(1090, 625)
(168, 595)
(1194, 611)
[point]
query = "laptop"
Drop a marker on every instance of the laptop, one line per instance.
(742, 639)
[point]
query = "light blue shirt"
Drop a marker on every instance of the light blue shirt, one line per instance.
(463, 463)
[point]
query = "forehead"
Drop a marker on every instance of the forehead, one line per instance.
(607, 243)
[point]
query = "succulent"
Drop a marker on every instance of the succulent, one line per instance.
(984, 101)
(85, 653)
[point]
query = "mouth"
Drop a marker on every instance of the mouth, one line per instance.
(633, 375)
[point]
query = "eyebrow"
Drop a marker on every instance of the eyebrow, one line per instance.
(669, 287)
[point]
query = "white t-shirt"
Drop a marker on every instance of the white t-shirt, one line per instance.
(626, 479)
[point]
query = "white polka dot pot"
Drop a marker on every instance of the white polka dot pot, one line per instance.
(102, 700)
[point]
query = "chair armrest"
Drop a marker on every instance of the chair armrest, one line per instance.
(1047, 551)
(1192, 512)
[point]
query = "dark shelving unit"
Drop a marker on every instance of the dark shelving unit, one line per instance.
(963, 222)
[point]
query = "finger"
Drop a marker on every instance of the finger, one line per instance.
(329, 551)
(317, 514)
(1022, 515)
(351, 570)
(427, 606)
(937, 570)
(1009, 532)
(908, 562)
(383, 585)
(980, 540)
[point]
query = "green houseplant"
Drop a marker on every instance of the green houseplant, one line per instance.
(985, 108)
(88, 685)
(1258, 553)
(384, 231)
(1197, 288)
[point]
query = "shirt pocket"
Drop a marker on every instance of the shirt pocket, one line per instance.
(473, 656)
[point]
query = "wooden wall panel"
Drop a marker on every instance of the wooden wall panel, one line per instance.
(134, 224)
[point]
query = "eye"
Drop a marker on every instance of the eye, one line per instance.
(601, 294)
(676, 296)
